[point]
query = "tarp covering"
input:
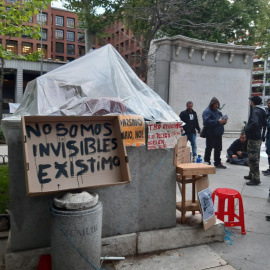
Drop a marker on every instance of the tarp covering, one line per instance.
(99, 83)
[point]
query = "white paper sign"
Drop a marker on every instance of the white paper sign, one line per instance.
(206, 202)
(163, 135)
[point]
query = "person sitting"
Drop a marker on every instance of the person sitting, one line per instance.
(237, 152)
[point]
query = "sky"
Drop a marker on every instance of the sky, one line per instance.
(57, 4)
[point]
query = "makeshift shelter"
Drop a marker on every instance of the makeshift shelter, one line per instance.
(99, 83)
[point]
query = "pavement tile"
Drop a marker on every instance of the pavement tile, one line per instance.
(196, 258)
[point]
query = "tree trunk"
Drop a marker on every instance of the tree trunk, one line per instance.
(1, 86)
(89, 39)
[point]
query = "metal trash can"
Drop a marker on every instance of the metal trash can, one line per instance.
(76, 225)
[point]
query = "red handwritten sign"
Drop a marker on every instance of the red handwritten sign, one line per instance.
(163, 135)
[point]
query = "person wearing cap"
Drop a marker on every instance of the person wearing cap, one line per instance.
(256, 122)
(214, 122)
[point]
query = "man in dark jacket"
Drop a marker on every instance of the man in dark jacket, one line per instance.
(214, 122)
(237, 152)
(267, 144)
(256, 122)
(189, 116)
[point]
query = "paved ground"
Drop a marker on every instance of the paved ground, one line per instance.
(247, 252)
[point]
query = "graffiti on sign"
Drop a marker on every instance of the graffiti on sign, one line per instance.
(73, 152)
(133, 130)
(163, 135)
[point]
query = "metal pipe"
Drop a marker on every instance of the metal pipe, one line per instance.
(112, 258)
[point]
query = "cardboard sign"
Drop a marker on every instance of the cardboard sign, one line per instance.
(73, 152)
(205, 201)
(133, 130)
(163, 135)
(181, 151)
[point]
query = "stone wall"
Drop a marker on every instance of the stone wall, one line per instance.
(184, 69)
(146, 203)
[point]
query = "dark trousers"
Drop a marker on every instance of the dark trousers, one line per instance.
(213, 141)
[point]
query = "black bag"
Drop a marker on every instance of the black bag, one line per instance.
(203, 132)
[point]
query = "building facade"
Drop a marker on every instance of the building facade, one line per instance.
(126, 44)
(261, 78)
(62, 42)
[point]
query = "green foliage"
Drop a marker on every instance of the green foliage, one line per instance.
(1, 134)
(4, 188)
(89, 13)
(211, 20)
(14, 18)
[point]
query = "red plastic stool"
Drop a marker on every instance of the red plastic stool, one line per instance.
(230, 194)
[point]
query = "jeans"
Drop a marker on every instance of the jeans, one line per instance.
(192, 138)
(238, 161)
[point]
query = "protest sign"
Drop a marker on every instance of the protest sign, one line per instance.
(133, 130)
(163, 135)
(72, 152)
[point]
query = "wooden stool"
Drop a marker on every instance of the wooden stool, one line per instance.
(189, 173)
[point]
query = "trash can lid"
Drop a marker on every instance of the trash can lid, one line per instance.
(76, 201)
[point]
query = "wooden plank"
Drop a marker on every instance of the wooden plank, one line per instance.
(189, 206)
(188, 169)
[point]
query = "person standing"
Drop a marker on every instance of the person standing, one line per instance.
(256, 122)
(267, 144)
(189, 116)
(214, 122)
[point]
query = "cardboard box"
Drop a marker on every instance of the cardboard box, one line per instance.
(181, 152)
(73, 152)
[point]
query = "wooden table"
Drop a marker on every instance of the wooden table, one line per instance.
(189, 173)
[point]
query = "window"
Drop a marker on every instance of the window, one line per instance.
(81, 37)
(59, 47)
(31, 19)
(27, 48)
(44, 50)
(42, 18)
(70, 49)
(51, 19)
(12, 46)
(51, 33)
(26, 36)
(81, 50)
(70, 36)
(80, 24)
(59, 58)
(59, 34)
(70, 22)
(70, 59)
(11, 1)
(59, 20)
(44, 34)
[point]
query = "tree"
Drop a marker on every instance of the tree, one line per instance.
(211, 20)
(14, 18)
(262, 32)
(93, 22)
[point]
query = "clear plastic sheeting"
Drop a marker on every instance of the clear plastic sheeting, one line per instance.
(99, 83)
